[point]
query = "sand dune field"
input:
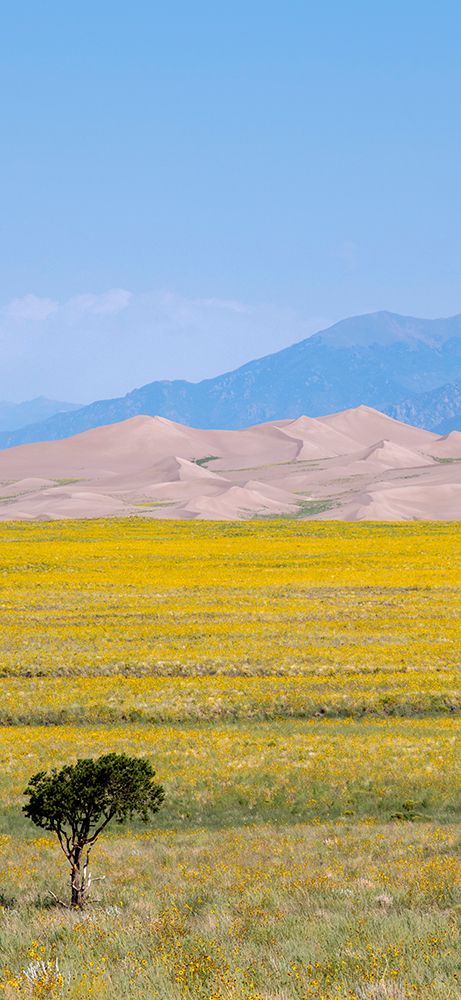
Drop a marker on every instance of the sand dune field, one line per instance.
(354, 465)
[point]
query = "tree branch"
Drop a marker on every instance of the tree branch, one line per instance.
(61, 836)
(100, 828)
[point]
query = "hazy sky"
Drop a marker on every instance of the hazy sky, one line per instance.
(188, 185)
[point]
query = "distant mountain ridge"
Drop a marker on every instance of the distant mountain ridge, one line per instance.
(16, 415)
(382, 360)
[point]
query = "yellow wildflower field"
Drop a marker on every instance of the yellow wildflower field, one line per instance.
(296, 686)
(404, 768)
(260, 598)
(346, 693)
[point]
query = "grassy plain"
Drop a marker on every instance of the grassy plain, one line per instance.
(297, 687)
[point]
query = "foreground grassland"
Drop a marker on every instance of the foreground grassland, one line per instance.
(337, 911)
(297, 687)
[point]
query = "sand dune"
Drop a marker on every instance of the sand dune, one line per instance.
(318, 439)
(355, 465)
(394, 456)
(407, 503)
(235, 503)
(171, 470)
(270, 491)
(368, 426)
(448, 446)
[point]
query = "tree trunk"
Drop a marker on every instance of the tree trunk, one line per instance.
(80, 879)
(77, 892)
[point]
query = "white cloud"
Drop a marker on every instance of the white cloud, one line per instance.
(188, 313)
(91, 346)
(228, 305)
(31, 307)
(107, 304)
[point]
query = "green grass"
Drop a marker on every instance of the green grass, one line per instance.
(305, 509)
(206, 458)
(66, 482)
(154, 503)
(257, 772)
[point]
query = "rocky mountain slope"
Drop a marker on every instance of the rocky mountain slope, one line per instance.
(438, 410)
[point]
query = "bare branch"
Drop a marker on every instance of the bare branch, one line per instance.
(60, 901)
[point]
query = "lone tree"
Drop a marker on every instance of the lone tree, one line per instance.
(79, 801)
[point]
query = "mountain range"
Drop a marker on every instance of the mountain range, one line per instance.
(406, 367)
(14, 416)
(356, 465)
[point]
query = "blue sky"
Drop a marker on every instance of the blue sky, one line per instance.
(186, 186)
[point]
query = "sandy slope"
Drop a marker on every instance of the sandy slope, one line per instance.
(359, 464)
